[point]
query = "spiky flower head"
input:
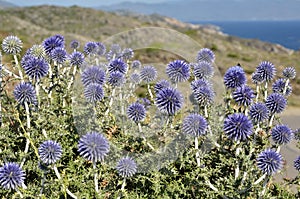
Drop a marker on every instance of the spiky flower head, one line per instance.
(243, 95)
(279, 86)
(12, 45)
(93, 74)
(195, 125)
(269, 161)
(127, 53)
(126, 167)
(11, 176)
(276, 103)
(25, 93)
(37, 51)
(93, 146)
(136, 64)
(257, 78)
(206, 54)
(136, 112)
(59, 55)
(34, 67)
(297, 163)
(178, 71)
(90, 48)
(148, 74)
(135, 78)
(76, 59)
(56, 41)
(116, 79)
(289, 73)
(160, 85)
(204, 96)
(50, 152)
(238, 127)
(258, 112)
(281, 134)
(266, 70)
(196, 84)
(169, 101)
(234, 77)
(117, 65)
(114, 52)
(93, 92)
(75, 44)
(203, 70)
(101, 48)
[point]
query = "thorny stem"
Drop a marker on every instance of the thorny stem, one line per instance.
(95, 178)
(59, 178)
(266, 91)
(257, 92)
(197, 152)
(271, 120)
(28, 132)
(286, 86)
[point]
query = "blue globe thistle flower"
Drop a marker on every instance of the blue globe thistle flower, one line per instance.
(116, 79)
(59, 55)
(204, 96)
(76, 59)
(266, 70)
(11, 176)
(257, 78)
(50, 152)
(289, 73)
(37, 51)
(169, 101)
(234, 77)
(93, 74)
(206, 54)
(136, 112)
(126, 167)
(297, 163)
(269, 161)
(90, 48)
(178, 71)
(101, 48)
(12, 45)
(135, 78)
(114, 52)
(203, 70)
(145, 102)
(127, 53)
(238, 127)
(56, 41)
(25, 93)
(117, 65)
(75, 44)
(258, 112)
(93, 92)
(148, 74)
(161, 84)
(93, 146)
(136, 64)
(276, 103)
(196, 84)
(279, 85)
(281, 134)
(34, 67)
(195, 125)
(243, 95)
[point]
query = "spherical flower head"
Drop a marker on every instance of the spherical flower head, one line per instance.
(101, 48)
(297, 163)
(93, 146)
(127, 53)
(204, 96)
(76, 59)
(203, 70)
(25, 93)
(234, 77)
(114, 52)
(136, 64)
(56, 41)
(269, 161)
(289, 73)
(279, 85)
(12, 45)
(148, 74)
(59, 55)
(136, 112)
(34, 67)
(178, 71)
(116, 79)
(196, 84)
(243, 95)
(117, 65)
(161, 84)
(169, 101)
(258, 112)
(257, 78)
(281, 134)
(11, 176)
(276, 103)
(135, 78)
(93, 74)
(266, 70)
(206, 54)
(195, 125)
(90, 48)
(50, 152)
(37, 51)
(74, 44)
(126, 167)
(93, 92)
(238, 127)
